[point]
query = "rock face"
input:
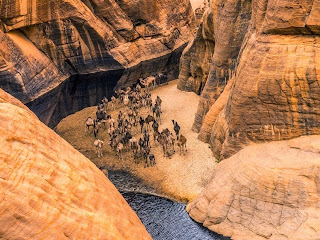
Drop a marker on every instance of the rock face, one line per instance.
(210, 59)
(196, 57)
(50, 50)
(265, 191)
(274, 93)
(51, 191)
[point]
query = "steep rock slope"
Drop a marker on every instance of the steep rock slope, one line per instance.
(265, 191)
(210, 59)
(51, 191)
(83, 48)
(273, 47)
(275, 93)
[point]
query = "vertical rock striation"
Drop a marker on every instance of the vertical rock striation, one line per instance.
(78, 45)
(222, 32)
(275, 94)
(270, 51)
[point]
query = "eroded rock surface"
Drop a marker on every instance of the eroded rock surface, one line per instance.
(274, 93)
(85, 47)
(265, 191)
(48, 190)
(210, 59)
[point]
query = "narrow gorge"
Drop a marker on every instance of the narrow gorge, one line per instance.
(59, 57)
(233, 147)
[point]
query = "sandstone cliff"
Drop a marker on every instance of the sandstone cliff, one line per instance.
(265, 191)
(210, 59)
(274, 93)
(51, 50)
(51, 191)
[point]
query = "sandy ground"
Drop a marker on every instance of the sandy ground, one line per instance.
(183, 176)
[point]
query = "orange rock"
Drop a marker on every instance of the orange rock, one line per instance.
(265, 191)
(48, 190)
(274, 94)
(53, 50)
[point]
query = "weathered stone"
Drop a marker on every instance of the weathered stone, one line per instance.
(90, 41)
(265, 191)
(196, 58)
(274, 93)
(48, 190)
(223, 30)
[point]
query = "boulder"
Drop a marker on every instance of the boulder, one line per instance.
(265, 191)
(48, 190)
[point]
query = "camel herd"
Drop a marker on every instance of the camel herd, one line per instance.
(130, 131)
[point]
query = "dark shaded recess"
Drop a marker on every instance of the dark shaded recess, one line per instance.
(85, 90)
(168, 64)
(74, 94)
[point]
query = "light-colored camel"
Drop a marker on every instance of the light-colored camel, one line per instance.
(98, 144)
(89, 123)
(148, 82)
(119, 150)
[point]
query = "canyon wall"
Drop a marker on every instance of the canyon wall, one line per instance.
(60, 56)
(265, 191)
(273, 90)
(209, 61)
(51, 191)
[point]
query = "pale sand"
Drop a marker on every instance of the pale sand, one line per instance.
(181, 177)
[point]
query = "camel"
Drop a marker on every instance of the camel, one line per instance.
(126, 100)
(162, 78)
(148, 120)
(158, 102)
(176, 128)
(89, 123)
(98, 144)
(113, 102)
(162, 139)
(134, 146)
(182, 144)
(158, 115)
(152, 159)
(105, 103)
(149, 81)
(156, 136)
(146, 152)
(111, 122)
(119, 150)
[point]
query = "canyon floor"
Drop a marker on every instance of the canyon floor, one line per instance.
(181, 177)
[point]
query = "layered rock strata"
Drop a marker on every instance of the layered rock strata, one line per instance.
(51, 191)
(265, 191)
(274, 93)
(45, 44)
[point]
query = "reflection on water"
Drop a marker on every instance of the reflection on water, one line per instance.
(167, 220)
(163, 218)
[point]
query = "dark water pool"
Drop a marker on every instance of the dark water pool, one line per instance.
(164, 219)
(167, 220)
